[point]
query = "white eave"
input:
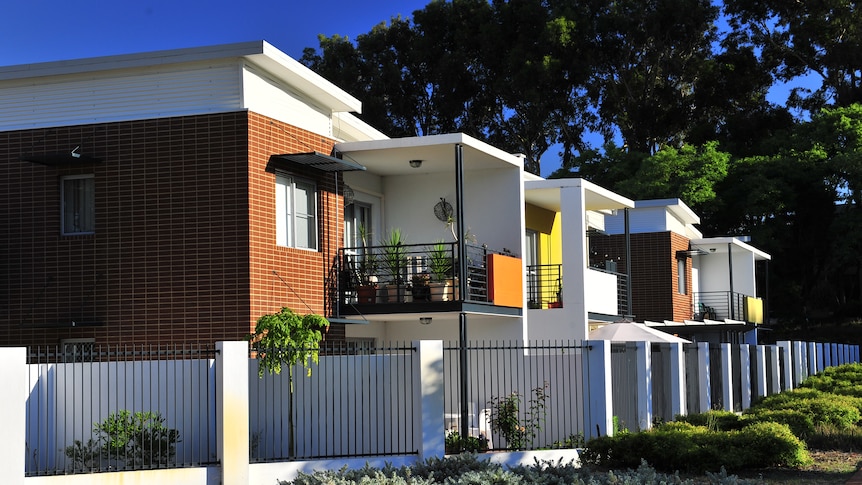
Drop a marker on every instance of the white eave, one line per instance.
(259, 53)
(675, 206)
(391, 156)
(546, 194)
(712, 245)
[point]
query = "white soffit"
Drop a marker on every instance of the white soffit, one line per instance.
(718, 245)
(546, 194)
(392, 156)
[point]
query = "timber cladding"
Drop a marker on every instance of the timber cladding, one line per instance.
(184, 242)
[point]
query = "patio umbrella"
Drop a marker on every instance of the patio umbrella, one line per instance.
(633, 332)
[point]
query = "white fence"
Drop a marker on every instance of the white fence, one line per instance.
(386, 408)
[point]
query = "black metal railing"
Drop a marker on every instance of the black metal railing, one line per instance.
(357, 402)
(111, 408)
(518, 396)
(719, 305)
(544, 285)
(411, 273)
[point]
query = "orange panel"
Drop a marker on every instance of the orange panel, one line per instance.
(505, 281)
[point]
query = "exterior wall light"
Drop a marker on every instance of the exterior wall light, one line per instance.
(415, 163)
(425, 320)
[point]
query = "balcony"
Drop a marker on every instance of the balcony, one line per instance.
(416, 278)
(607, 291)
(720, 305)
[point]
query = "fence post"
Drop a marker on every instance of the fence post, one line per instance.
(599, 409)
(726, 376)
(703, 377)
(812, 358)
(643, 358)
(232, 411)
(677, 380)
(801, 351)
(787, 370)
(775, 364)
(13, 408)
(428, 407)
(760, 371)
(745, 385)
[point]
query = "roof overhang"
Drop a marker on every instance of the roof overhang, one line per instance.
(720, 245)
(61, 159)
(546, 194)
(317, 161)
(437, 153)
(675, 206)
(259, 53)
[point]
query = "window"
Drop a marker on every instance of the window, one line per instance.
(295, 213)
(680, 278)
(78, 204)
(357, 215)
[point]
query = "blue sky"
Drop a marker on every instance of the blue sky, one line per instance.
(50, 30)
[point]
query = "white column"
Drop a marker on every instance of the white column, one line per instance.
(703, 377)
(599, 408)
(428, 398)
(13, 408)
(643, 356)
(575, 259)
(801, 357)
(812, 358)
(787, 368)
(677, 379)
(726, 376)
(759, 366)
(233, 407)
(745, 376)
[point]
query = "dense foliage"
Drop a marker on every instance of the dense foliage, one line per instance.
(467, 469)
(676, 90)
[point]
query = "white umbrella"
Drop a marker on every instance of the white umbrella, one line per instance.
(633, 332)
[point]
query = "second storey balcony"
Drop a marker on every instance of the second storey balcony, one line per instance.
(422, 278)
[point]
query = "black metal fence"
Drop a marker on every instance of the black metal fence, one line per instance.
(357, 401)
(101, 408)
(544, 285)
(518, 395)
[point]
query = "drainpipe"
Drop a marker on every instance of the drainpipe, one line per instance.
(730, 273)
(462, 286)
(628, 262)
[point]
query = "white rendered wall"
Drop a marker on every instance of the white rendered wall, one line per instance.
(601, 292)
(713, 270)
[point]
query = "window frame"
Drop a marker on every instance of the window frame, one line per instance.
(89, 200)
(287, 218)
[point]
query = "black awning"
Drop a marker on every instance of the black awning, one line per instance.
(319, 161)
(60, 159)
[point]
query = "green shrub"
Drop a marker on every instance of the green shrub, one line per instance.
(801, 424)
(823, 408)
(684, 447)
(826, 437)
(714, 420)
(468, 444)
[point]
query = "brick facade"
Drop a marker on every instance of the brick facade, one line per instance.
(654, 280)
(184, 247)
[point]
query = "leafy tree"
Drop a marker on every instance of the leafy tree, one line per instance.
(287, 339)
(823, 38)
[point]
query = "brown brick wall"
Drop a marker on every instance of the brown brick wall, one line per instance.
(654, 273)
(181, 252)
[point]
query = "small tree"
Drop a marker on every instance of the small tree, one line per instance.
(287, 339)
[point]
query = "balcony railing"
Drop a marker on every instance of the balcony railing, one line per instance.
(544, 285)
(411, 273)
(720, 305)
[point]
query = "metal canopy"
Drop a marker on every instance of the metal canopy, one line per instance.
(319, 161)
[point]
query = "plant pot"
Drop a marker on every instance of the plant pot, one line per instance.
(399, 294)
(555, 304)
(421, 293)
(366, 294)
(440, 290)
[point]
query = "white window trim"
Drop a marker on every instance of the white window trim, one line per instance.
(63, 180)
(285, 212)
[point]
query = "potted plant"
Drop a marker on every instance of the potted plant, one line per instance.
(395, 262)
(440, 265)
(421, 288)
(559, 302)
(366, 267)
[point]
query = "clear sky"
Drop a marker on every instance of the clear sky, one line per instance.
(50, 30)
